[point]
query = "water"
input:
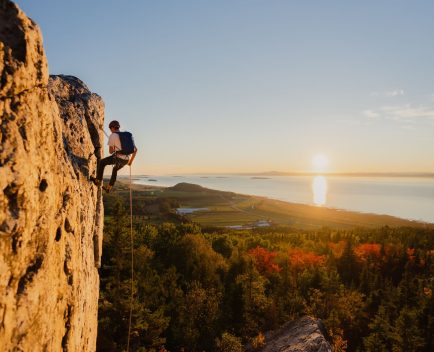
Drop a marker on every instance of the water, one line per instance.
(409, 198)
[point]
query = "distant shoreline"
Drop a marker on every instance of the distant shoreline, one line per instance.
(363, 218)
(344, 174)
(410, 198)
(329, 174)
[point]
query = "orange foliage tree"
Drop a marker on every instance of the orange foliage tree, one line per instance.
(301, 259)
(410, 254)
(337, 248)
(264, 260)
(365, 251)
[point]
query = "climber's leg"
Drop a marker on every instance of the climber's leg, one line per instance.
(120, 163)
(110, 160)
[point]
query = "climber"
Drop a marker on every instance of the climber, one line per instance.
(121, 145)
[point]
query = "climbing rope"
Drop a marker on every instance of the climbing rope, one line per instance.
(132, 258)
(105, 133)
(132, 264)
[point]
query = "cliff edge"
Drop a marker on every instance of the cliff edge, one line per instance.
(51, 216)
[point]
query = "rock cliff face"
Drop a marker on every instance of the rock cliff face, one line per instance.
(303, 335)
(51, 216)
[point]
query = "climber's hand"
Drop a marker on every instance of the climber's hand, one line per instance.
(132, 157)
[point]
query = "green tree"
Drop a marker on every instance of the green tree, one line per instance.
(223, 245)
(195, 325)
(255, 301)
(348, 266)
(114, 302)
(148, 321)
(197, 261)
(381, 330)
(229, 343)
(407, 333)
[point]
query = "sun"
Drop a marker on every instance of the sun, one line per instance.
(320, 162)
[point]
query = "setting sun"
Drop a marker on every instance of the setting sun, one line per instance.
(320, 162)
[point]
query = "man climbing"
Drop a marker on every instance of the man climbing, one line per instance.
(121, 145)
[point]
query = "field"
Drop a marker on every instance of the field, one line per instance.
(243, 211)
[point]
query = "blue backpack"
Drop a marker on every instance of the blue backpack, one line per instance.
(127, 143)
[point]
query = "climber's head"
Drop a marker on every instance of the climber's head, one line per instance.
(114, 125)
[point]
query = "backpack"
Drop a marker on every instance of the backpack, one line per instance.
(127, 143)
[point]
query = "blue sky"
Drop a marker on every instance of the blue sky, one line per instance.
(248, 85)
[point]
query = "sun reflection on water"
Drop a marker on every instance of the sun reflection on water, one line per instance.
(319, 188)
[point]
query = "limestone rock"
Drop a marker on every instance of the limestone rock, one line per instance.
(51, 216)
(23, 64)
(303, 335)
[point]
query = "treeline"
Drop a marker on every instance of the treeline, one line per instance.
(215, 290)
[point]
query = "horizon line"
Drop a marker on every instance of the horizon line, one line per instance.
(408, 174)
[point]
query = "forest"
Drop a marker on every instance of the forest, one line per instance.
(217, 289)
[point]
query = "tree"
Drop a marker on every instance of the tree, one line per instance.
(264, 260)
(301, 259)
(148, 317)
(255, 301)
(407, 333)
(366, 251)
(114, 301)
(223, 246)
(347, 265)
(229, 343)
(197, 261)
(381, 330)
(195, 325)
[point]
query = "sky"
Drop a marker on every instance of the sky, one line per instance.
(233, 86)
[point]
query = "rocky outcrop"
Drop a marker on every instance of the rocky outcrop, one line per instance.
(303, 335)
(51, 216)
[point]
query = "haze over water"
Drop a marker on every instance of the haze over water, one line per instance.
(409, 198)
